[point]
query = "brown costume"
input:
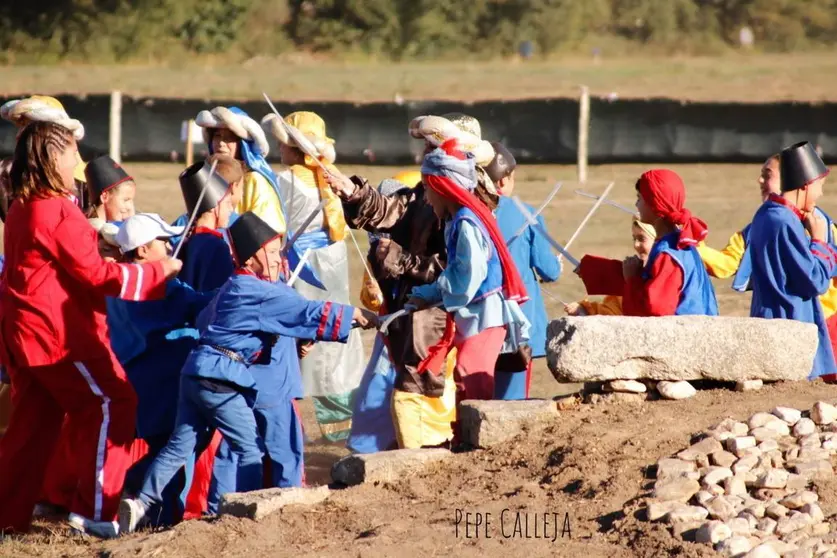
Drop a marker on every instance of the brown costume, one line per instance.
(416, 256)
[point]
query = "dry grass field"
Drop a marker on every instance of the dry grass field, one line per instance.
(300, 77)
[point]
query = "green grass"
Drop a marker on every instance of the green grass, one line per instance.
(728, 77)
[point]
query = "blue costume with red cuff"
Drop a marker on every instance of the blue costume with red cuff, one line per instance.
(218, 387)
(790, 271)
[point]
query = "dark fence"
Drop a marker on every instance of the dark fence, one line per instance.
(537, 131)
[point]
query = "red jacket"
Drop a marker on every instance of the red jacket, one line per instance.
(52, 297)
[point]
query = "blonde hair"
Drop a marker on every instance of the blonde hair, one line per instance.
(644, 227)
(34, 172)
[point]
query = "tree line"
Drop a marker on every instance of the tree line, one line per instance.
(45, 31)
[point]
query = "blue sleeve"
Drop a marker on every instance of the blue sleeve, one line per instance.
(461, 279)
(807, 264)
(189, 302)
(283, 311)
(542, 259)
(218, 268)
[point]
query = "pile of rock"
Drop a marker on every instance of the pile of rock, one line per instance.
(745, 488)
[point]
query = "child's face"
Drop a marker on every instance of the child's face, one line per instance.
(226, 142)
(769, 179)
(155, 251)
(646, 215)
(236, 192)
(811, 194)
(224, 210)
(506, 185)
(119, 201)
(438, 203)
(643, 242)
(65, 163)
(267, 262)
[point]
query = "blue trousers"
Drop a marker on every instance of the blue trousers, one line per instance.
(510, 386)
(280, 428)
(372, 426)
(201, 408)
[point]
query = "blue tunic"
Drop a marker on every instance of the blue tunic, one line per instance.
(246, 317)
(741, 281)
(534, 259)
(697, 296)
(790, 271)
(207, 261)
(167, 336)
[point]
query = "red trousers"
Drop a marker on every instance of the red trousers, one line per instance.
(831, 324)
(101, 406)
(476, 358)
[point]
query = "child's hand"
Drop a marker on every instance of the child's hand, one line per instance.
(631, 267)
(817, 226)
(171, 267)
(575, 309)
(365, 318)
(303, 348)
(382, 249)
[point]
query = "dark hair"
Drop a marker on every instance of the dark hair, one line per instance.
(503, 163)
(34, 172)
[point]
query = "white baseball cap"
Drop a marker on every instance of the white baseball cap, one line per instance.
(142, 228)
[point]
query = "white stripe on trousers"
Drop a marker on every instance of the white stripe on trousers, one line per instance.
(103, 437)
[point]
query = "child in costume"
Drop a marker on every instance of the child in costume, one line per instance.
(110, 190)
(166, 334)
(480, 288)
(207, 262)
(673, 281)
(791, 270)
(331, 373)
(232, 132)
(218, 387)
(643, 236)
(535, 262)
(55, 340)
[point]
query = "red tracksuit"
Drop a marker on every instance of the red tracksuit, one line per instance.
(54, 344)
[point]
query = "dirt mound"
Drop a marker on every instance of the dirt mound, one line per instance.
(587, 473)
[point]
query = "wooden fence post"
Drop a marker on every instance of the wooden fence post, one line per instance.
(115, 130)
(583, 131)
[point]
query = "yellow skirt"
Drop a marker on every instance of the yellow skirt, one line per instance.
(422, 421)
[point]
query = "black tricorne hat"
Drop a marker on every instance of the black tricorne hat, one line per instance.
(192, 182)
(102, 174)
(503, 163)
(799, 165)
(247, 235)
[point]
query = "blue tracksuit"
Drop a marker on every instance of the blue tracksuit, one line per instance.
(535, 260)
(790, 271)
(218, 386)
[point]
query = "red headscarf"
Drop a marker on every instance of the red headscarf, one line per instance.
(513, 287)
(663, 191)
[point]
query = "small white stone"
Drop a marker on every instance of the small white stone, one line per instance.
(799, 553)
(686, 514)
(814, 470)
(763, 551)
(700, 450)
(676, 390)
(760, 419)
(713, 532)
(702, 497)
(739, 526)
(820, 529)
(768, 446)
(804, 427)
(723, 459)
(752, 520)
(823, 413)
(672, 468)
(810, 441)
(813, 454)
(814, 511)
(776, 511)
(788, 414)
(778, 426)
(714, 475)
(658, 510)
(774, 478)
(755, 508)
(735, 445)
(714, 489)
(797, 482)
(749, 385)
(734, 546)
(625, 386)
(793, 523)
(767, 525)
(720, 507)
(763, 433)
(745, 464)
(735, 486)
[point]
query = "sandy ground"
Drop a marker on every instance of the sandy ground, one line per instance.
(589, 465)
